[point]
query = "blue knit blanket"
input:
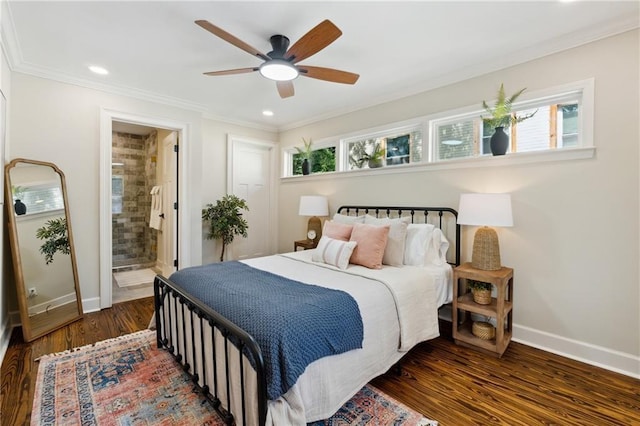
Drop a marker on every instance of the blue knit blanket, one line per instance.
(293, 323)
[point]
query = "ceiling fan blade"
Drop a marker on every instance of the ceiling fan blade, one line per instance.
(329, 74)
(230, 38)
(285, 88)
(230, 72)
(314, 41)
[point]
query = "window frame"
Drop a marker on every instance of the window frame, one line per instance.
(426, 124)
(289, 152)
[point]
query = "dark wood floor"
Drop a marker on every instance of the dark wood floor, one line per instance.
(445, 382)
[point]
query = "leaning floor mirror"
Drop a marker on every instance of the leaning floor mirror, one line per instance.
(44, 261)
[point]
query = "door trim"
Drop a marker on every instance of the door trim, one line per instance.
(184, 223)
(273, 206)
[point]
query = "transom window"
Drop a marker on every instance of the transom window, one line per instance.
(563, 120)
(554, 125)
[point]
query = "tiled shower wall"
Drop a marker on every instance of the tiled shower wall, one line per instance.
(134, 242)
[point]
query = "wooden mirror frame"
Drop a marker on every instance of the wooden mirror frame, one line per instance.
(30, 332)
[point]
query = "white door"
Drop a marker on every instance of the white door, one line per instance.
(167, 162)
(250, 178)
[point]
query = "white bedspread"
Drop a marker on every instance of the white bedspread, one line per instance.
(398, 308)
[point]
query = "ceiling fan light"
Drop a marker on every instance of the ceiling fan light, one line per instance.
(278, 70)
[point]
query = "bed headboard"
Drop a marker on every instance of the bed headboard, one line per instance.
(444, 218)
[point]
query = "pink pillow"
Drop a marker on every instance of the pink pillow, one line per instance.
(337, 231)
(372, 241)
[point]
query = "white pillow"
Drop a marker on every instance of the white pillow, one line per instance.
(394, 251)
(437, 249)
(372, 220)
(333, 252)
(349, 220)
(416, 244)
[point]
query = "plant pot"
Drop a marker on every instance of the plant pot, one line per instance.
(481, 297)
(306, 167)
(499, 141)
(374, 164)
(20, 208)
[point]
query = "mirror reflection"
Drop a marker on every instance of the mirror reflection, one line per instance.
(42, 247)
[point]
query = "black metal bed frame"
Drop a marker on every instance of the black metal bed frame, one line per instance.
(178, 314)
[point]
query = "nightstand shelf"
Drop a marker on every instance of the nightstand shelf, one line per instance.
(305, 244)
(500, 308)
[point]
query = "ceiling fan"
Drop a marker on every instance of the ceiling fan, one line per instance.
(281, 64)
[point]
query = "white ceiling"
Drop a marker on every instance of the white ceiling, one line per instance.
(154, 50)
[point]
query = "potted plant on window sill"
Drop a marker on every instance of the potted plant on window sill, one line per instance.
(305, 153)
(501, 116)
(359, 155)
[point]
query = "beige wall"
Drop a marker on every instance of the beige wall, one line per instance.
(574, 245)
(214, 169)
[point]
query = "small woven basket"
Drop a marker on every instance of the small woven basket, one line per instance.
(483, 330)
(481, 297)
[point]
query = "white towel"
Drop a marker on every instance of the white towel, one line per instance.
(155, 220)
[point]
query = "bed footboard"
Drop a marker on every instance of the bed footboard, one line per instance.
(224, 362)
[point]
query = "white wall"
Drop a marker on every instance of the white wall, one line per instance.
(214, 169)
(7, 292)
(574, 246)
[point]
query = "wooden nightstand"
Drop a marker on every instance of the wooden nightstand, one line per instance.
(305, 244)
(500, 308)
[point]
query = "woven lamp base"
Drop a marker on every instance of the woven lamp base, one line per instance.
(486, 250)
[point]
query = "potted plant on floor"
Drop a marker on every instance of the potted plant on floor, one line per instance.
(501, 116)
(305, 153)
(225, 220)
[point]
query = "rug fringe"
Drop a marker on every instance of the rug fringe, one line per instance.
(96, 344)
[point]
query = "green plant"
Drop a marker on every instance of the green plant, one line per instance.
(225, 220)
(501, 115)
(478, 285)
(17, 191)
(359, 154)
(307, 150)
(56, 239)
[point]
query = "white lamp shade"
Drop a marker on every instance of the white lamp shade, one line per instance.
(485, 210)
(313, 205)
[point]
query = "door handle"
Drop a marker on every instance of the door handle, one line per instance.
(161, 215)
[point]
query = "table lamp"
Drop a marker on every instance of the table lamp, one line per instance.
(485, 210)
(314, 206)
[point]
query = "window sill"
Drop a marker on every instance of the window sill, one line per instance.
(461, 163)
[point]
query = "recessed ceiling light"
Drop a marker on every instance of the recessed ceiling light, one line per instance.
(267, 113)
(98, 70)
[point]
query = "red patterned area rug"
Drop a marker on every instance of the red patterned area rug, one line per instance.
(128, 381)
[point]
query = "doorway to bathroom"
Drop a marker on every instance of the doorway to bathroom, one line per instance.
(143, 192)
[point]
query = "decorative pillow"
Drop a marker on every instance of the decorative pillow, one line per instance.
(343, 218)
(333, 252)
(337, 231)
(394, 251)
(418, 239)
(372, 241)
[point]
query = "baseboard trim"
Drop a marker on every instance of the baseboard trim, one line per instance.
(599, 356)
(91, 305)
(5, 336)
